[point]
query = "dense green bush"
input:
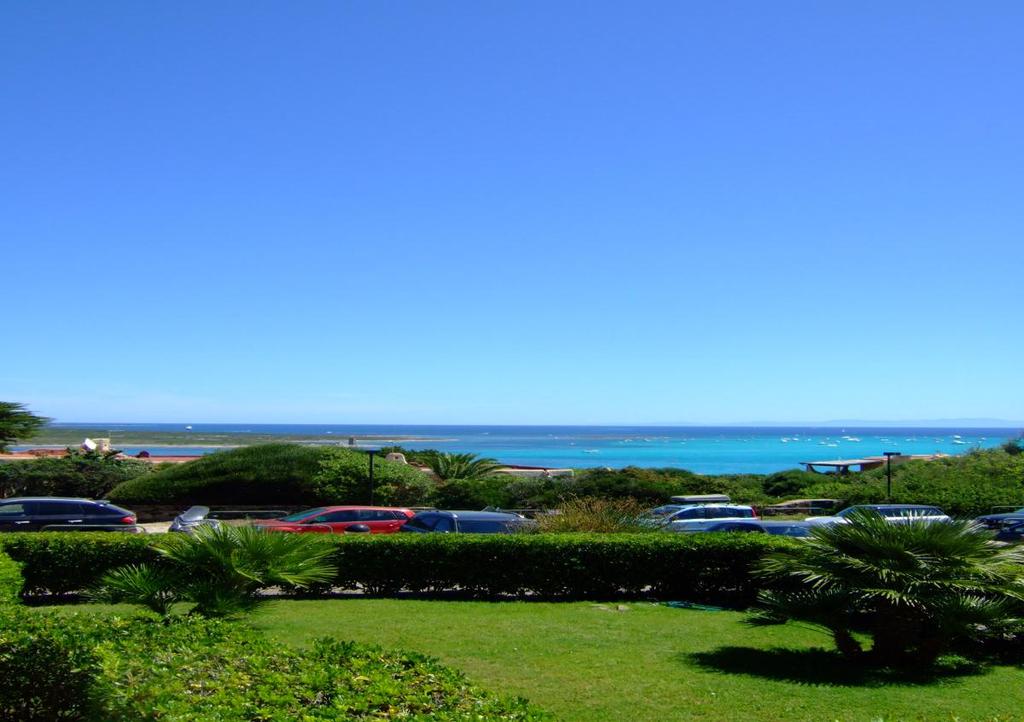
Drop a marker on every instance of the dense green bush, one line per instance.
(343, 477)
(10, 580)
(493, 491)
(47, 664)
(88, 474)
(919, 590)
(220, 571)
(64, 562)
(789, 483)
(651, 486)
(205, 671)
(287, 474)
(594, 514)
(965, 486)
(265, 474)
(695, 567)
(103, 669)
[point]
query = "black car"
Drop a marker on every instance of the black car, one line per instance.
(43, 513)
(1011, 532)
(995, 521)
(466, 522)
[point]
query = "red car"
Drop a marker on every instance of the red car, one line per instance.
(337, 519)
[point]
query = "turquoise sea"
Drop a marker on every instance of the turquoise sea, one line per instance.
(704, 449)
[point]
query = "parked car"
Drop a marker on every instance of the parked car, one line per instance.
(756, 526)
(1011, 532)
(467, 522)
(996, 521)
(801, 506)
(895, 513)
(340, 519)
(779, 528)
(193, 518)
(701, 499)
(39, 513)
(679, 516)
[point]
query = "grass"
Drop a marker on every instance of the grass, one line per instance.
(639, 661)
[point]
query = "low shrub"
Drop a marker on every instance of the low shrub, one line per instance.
(264, 474)
(918, 590)
(189, 671)
(65, 562)
(593, 514)
(695, 567)
(219, 570)
(74, 667)
(278, 474)
(789, 483)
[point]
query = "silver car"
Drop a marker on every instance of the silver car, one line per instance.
(894, 513)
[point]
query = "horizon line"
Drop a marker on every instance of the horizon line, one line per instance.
(864, 423)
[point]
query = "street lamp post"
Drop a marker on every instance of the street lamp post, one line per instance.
(371, 452)
(888, 472)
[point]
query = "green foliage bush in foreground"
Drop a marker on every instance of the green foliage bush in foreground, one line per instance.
(716, 568)
(102, 669)
(919, 590)
(220, 571)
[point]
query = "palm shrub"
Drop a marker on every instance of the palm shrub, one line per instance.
(918, 590)
(221, 571)
(460, 466)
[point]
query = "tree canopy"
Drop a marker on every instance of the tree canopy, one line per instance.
(17, 423)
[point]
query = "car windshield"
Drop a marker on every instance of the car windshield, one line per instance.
(487, 526)
(789, 530)
(300, 515)
(664, 510)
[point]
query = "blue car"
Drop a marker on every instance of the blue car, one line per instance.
(995, 521)
(466, 522)
(778, 528)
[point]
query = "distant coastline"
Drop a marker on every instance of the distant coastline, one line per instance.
(707, 449)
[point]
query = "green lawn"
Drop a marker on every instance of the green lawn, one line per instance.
(646, 662)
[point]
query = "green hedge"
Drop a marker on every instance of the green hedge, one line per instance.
(696, 567)
(10, 580)
(64, 562)
(76, 667)
(699, 567)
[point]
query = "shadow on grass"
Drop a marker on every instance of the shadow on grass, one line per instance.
(820, 667)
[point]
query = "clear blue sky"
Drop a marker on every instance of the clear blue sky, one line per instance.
(512, 212)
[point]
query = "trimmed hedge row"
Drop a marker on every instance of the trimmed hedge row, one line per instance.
(66, 562)
(700, 567)
(76, 668)
(695, 567)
